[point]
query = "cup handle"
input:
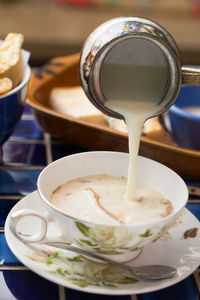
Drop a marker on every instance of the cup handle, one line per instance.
(190, 75)
(34, 238)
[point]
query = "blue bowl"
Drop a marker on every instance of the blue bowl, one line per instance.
(12, 106)
(185, 126)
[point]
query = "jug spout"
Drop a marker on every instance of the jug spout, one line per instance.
(190, 75)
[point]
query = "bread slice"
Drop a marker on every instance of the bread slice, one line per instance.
(116, 124)
(11, 63)
(73, 101)
(154, 130)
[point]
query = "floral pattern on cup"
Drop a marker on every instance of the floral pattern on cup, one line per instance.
(113, 240)
(81, 271)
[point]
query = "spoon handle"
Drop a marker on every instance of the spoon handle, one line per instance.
(88, 253)
(149, 272)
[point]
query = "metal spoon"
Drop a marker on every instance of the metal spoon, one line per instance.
(149, 272)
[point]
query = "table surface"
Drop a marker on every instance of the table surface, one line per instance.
(25, 154)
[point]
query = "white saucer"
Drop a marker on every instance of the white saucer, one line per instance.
(73, 271)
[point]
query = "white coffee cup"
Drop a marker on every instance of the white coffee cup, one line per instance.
(123, 238)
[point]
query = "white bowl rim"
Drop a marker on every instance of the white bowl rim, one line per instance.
(180, 112)
(148, 224)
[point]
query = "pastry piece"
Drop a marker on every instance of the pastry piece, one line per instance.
(5, 86)
(74, 102)
(11, 63)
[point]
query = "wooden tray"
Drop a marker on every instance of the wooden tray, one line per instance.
(63, 71)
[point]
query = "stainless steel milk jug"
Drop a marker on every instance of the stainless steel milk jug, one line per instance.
(132, 42)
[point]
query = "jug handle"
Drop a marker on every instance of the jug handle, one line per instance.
(190, 75)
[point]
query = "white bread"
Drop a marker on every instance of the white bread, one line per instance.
(151, 126)
(74, 102)
(116, 124)
(11, 63)
(152, 129)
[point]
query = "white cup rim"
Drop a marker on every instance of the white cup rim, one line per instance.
(139, 225)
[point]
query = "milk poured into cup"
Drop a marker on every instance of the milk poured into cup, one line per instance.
(134, 85)
(135, 114)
